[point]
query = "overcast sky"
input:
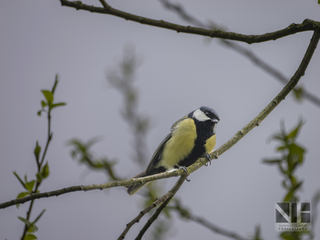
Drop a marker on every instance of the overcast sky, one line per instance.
(178, 73)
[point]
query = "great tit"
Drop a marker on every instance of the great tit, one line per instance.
(191, 137)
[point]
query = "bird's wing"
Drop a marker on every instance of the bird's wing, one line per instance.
(157, 155)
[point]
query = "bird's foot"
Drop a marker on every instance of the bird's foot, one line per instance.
(185, 169)
(208, 157)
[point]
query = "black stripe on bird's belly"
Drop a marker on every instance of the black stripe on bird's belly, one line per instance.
(156, 171)
(204, 131)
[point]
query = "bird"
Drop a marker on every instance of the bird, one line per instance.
(191, 137)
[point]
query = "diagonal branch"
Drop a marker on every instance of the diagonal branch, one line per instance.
(144, 212)
(306, 25)
(236, 138)
(172, 192)
(272, 71)
(186, 214)
(164, 200)
(216, 229)
(275, 102)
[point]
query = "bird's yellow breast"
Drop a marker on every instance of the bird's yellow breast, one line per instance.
(210, 144)
(180, 144)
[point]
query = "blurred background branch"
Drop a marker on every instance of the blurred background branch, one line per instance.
(298, 92)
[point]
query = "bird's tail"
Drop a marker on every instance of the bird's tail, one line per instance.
(135, 188)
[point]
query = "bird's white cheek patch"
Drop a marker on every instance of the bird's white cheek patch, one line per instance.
(200, 116)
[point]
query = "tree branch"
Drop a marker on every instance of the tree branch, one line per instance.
(142, 213)
(306, 25)
(216, 229)
(171, 193)
(239, 135)
(275, 102)
(165, 198)
(93, 187)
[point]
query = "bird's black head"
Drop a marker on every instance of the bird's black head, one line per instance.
(203, 114)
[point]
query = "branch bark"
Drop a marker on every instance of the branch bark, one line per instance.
(306, 25)
(165, 199)
(92, 187)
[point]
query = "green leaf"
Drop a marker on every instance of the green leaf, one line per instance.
(281, 148)
(289, 196)
(58, 104)
(49, 97)
(30, 185)
(45, 171)
(37, 150)
(32, 228)
(25, 221)
(43, 104)
(39, 113)
(22, 183)
(294, 132)
(39, 177)
(297, 151)
(23, 194)
(30, 237)
(279, 137)
(40, 215)
(287, 236)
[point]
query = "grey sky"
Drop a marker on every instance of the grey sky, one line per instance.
(178, 73)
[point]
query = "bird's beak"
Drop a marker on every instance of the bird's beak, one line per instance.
(215, 120)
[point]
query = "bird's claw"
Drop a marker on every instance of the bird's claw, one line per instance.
(208, 157)
(185, 169)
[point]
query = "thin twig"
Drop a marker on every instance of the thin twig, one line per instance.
(144, 212)
(158, 201)
(105, 4)
(39, 165)
(216, 229)
(306, 25)
(172, 192)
